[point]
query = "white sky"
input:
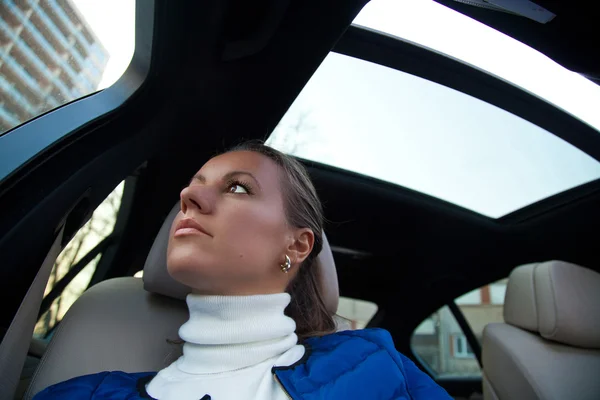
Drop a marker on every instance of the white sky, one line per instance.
(113, 22)
(441, 28)
(415, 133)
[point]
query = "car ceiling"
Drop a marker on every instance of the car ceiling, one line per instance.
(226, 71)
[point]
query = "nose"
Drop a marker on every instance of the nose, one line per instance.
(196, 199)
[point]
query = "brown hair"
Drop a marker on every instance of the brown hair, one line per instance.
(303, 210)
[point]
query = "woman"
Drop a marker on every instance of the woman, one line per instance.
(246, 238)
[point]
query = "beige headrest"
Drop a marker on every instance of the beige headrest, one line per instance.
(157, 278)
(559, 300)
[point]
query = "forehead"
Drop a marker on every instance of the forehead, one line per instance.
(262, 167)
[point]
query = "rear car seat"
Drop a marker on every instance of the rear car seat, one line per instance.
(549, 345)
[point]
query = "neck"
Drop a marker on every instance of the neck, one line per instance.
(226, 333)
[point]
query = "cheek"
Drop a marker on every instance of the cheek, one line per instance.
(255, 229)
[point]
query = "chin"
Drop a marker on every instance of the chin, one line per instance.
(183, 263)
(187, 266)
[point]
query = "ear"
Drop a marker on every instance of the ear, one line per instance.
(301, 245)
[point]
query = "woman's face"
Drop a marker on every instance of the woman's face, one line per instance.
(231, 234)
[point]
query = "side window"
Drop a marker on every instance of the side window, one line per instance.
(354, 313)
(441, 344)
(54, 52)
(74, 267)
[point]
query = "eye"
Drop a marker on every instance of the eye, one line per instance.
(237, 187)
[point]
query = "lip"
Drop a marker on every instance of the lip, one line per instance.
(188, 226)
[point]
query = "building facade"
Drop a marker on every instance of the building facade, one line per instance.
(48, 57)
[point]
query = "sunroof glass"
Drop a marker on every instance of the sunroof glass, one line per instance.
(442, 29)
(403, 129)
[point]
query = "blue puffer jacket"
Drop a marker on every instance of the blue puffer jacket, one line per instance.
(346, 365)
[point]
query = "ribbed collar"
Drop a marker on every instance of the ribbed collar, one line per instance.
(228, 333)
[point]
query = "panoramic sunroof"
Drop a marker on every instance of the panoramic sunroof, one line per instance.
(442, 29)
(403, 129)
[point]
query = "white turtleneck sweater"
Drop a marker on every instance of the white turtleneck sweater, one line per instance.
(231, 344)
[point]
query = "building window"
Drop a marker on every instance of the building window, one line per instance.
(461, 347)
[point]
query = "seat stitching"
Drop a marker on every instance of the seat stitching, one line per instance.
(554, 304)
(535, 297)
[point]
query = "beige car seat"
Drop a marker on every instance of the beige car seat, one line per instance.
(549, 345)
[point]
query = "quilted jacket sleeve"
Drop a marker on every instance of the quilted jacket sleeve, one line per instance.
(104, 385)
(420, 385)
(82, 387)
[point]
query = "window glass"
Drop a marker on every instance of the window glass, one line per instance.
(441, 344)
(393, 126)
(355, 313)
(55, 51)
(442, 29)
(100, 225)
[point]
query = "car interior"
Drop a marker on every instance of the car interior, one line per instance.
(205, 76)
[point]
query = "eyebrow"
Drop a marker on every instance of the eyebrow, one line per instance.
(200, 178)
